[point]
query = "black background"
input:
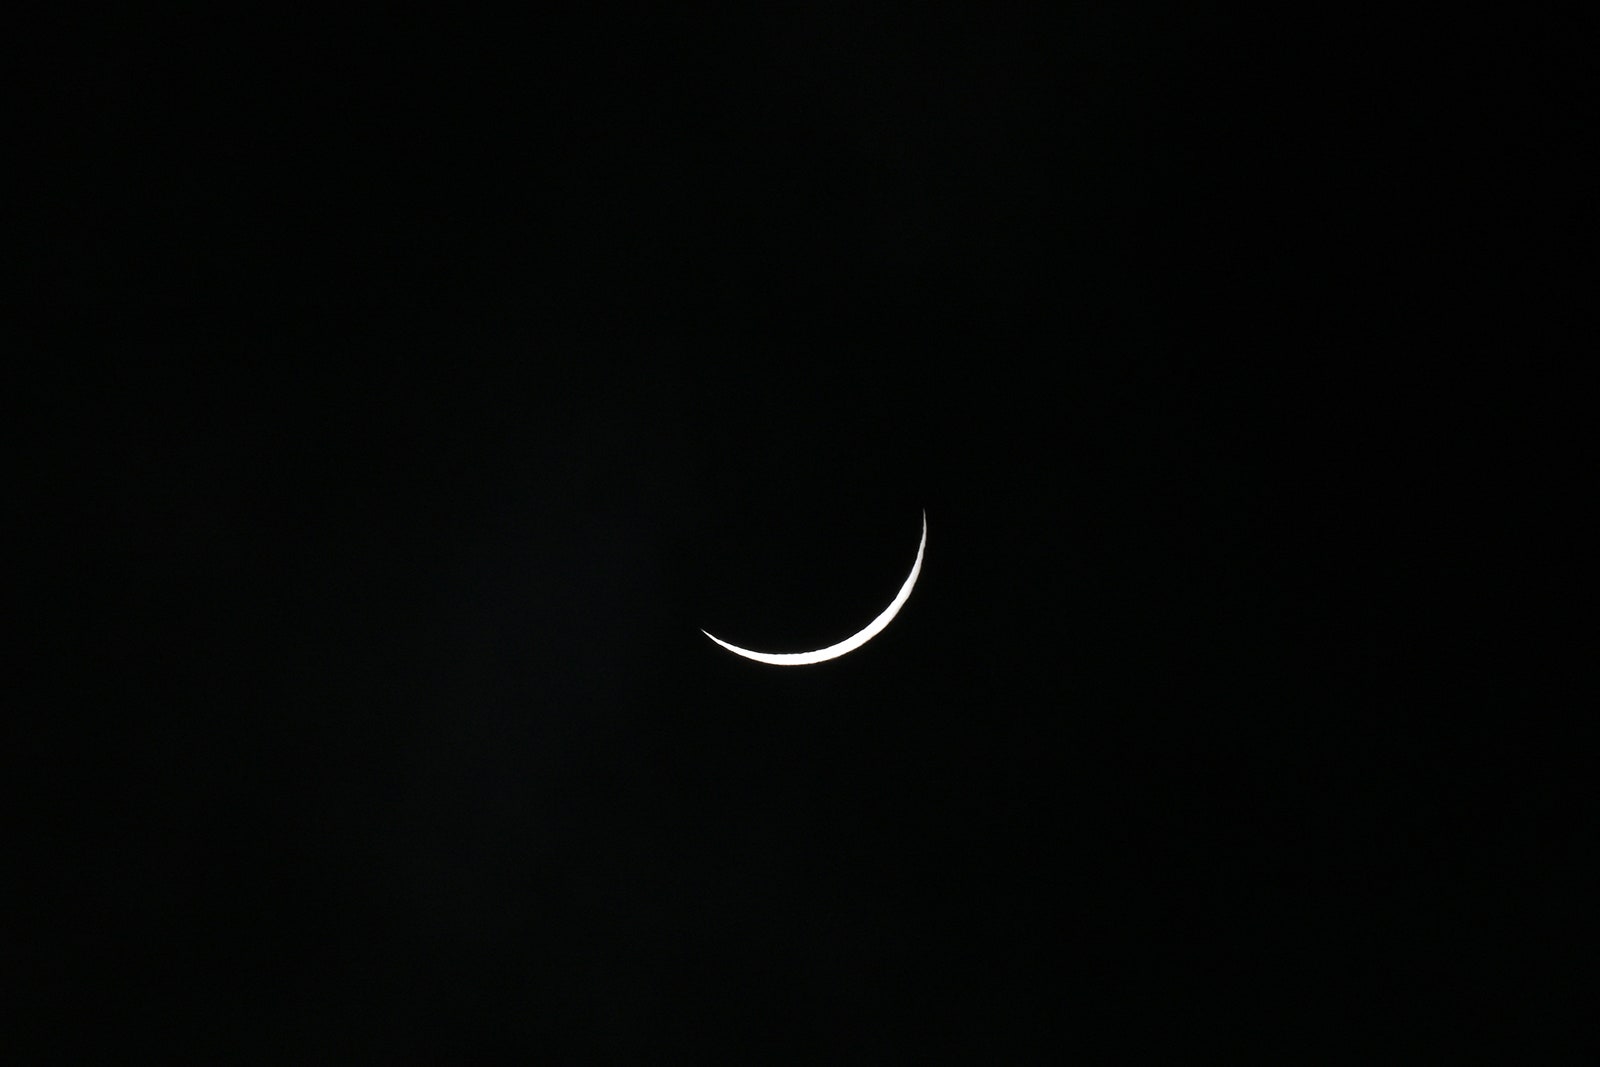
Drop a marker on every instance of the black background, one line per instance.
(406, 391)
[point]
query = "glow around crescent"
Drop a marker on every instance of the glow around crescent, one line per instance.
(849, 644)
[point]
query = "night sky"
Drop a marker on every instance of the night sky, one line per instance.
(406, 392)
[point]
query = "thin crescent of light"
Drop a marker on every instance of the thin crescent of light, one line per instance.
(849, 644)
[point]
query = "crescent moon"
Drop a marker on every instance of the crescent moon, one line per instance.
(849, 644)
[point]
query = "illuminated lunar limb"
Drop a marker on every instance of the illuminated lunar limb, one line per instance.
(849, 644)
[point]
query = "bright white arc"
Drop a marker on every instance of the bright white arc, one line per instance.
(849, 644)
